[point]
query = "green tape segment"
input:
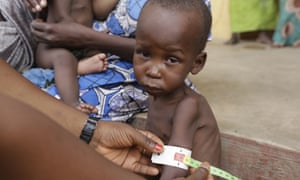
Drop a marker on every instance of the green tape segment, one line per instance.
(213, 170)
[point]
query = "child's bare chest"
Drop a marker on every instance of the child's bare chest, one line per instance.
(160, 121)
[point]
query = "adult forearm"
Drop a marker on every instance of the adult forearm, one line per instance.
(30, 137)
(14, 85)
(117, 45)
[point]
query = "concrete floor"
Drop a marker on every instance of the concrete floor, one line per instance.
(254, 91)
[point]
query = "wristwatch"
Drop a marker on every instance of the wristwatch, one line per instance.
(88, 129)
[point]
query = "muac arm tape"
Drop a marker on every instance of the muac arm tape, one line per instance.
(181, 158)
(167, 157)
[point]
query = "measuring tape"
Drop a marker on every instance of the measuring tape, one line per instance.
(181, 158)
(213, 170)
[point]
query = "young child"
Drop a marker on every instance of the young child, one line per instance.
(64, 61)
(170, 38)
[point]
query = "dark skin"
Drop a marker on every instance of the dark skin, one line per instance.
(102, 8)
(74, 35)
(162, 61)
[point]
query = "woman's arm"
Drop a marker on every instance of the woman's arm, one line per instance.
(74, 35)
(32, 146)
(20, 88)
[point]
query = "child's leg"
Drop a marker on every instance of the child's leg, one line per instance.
(93, 64)
(65, 66)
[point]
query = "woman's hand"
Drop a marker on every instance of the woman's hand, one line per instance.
(127, 146)
(73, 35)
(67, 34)
(35, 5)
(59, 34)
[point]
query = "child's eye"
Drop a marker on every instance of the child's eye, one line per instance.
(145, 54)
(172, 60)
(142, 54)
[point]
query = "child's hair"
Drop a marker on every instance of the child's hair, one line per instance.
(205, 18)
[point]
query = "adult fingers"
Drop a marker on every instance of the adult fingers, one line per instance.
(38, 25)
(150, 142)
(42, 31)
(144, 168)
(36, 30)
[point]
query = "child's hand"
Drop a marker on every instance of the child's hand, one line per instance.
(36, 5)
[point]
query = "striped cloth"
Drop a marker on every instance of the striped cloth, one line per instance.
(16, 43)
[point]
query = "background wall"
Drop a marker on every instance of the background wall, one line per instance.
(221, 22)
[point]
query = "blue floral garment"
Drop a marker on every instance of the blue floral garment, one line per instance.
(123, 19)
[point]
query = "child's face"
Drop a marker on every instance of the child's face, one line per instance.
(165, 49)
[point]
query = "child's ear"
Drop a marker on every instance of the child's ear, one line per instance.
(199, 63)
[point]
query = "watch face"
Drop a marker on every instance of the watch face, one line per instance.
(88, 130)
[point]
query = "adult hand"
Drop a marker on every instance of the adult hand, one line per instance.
(67, 34)
(59, 34)
(126, 146)
(35, 5)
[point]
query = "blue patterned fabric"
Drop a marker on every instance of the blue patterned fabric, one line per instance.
(123, 19)
(113, 92)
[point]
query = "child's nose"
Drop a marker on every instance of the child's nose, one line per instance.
(153, 71)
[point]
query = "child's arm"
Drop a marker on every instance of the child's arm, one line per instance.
(183, 128)
(195, 128)
(207, 140)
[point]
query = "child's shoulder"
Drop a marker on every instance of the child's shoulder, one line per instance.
(192, 97)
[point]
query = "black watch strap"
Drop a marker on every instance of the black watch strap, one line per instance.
(88, 130)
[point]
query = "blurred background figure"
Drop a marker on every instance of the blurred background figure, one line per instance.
(287, 32)
(252, 16)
